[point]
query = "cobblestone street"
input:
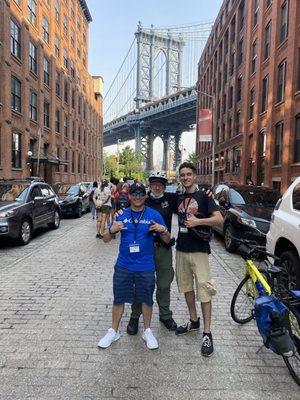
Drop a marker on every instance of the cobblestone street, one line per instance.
(55, 304)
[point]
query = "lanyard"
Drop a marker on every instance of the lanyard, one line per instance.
(186, 208)
(136, 224)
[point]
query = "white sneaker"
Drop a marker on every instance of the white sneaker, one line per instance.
(150, 340)
(110, 337)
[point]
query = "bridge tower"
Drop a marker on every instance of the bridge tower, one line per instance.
(149, 44)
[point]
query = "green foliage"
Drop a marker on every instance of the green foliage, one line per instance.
(127, 163)
(191, 158)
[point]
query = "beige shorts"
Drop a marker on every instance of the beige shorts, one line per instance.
(192, 267)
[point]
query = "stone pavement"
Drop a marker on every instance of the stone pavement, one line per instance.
(55, 304)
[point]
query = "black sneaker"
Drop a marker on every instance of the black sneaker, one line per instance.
(170, 324)
(189, 326)
(133, 326)
(207, 347)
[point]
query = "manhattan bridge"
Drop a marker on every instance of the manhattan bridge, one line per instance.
(153, 93)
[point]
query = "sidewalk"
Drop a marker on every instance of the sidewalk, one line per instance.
(56, 304)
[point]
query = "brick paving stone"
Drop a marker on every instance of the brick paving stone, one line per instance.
(55, 303)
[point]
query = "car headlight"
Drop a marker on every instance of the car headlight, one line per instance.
(5, 214)
(248, 222)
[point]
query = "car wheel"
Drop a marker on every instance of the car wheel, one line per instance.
(230, 243)
(78, 213)
(290, 265)
(25, 232)
(56, 223)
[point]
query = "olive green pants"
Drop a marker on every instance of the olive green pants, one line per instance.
(164, 278)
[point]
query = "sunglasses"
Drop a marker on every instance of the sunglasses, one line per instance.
(137, 195)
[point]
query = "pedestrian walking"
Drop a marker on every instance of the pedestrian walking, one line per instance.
(91, 199)
(113, 189)
(103, 205)
(134, 274)
(197, 213)
(165, 204)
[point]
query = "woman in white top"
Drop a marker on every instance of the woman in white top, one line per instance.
(102, 201)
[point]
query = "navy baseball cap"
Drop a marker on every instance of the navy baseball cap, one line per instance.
(137, 187)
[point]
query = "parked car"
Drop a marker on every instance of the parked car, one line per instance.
(26, 205)
(73, 198)
(283, 238)
(246, 211)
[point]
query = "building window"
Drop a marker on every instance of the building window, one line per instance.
(278, 143)
(255, 12)
(79, 135)
(267, 42)
(231, 68)
(72, 35)
(16, 156)
(32, 11)
(46, 71)
(227, 162)
(238, 122)
(79, 105)
(232, 30)
(56, 46)
(240, 51)
(236, 160)
(66, 92)
(79, 163)
(33, 57)
(16, 103)
(73, 98)
(66, 126)
(46, 114)
(65, 59)
(73, 130)
(254, 57)
(57, 121)
(241, 14)
(265, 88)
(73, 161)
(56, 10)
(284, 16)
(15, 39)
(72, 68)
(239, 89)
(32, 105)
(72, 10)
(230, 97)
(45, 27)
(281, 81)
(268, 3)
(79, 50)
(65, 25)
(78, 23)
(298, 73)
(297, 140)
(66, 161)
(251, 103)
(57, 83)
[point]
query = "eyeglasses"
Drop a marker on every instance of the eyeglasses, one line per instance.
(137, 195)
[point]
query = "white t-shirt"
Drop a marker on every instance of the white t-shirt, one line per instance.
(101, 195)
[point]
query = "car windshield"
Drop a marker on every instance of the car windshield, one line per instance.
(257, 197)
(13, 191)
(67, 189)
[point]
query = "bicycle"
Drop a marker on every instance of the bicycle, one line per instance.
(275, 309)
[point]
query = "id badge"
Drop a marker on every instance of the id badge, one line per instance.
(134, 248)
(183, 229)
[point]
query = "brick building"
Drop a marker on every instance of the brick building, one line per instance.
(251, 64)
(49, 104)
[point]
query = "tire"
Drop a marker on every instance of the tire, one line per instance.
(56, 223)
(25, 232)
(78, 213)
(290, 264)
(246, 294)
(230, 244)
(293, 363)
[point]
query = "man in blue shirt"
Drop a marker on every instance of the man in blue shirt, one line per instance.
(134, 275)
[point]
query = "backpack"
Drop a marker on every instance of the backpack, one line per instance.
(122, 202)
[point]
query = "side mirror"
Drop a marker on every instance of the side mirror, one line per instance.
(223, 203)
(38, 198)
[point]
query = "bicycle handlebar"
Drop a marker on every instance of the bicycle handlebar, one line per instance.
(255, 247)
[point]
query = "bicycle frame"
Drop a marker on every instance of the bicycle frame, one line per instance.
(255, 276)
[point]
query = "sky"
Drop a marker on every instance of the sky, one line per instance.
(115, 22)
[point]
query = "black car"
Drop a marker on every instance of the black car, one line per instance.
(26, 205)
(73, 198)
(246, 211)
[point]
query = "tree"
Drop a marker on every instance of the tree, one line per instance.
(131, 164)
(192, 158)
(110, 166)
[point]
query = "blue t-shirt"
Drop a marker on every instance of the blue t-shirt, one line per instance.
(144, 259)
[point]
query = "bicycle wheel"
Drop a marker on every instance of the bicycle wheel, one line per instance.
(242, 301)
(293, 363)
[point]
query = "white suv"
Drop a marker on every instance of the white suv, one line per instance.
(283, 238)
